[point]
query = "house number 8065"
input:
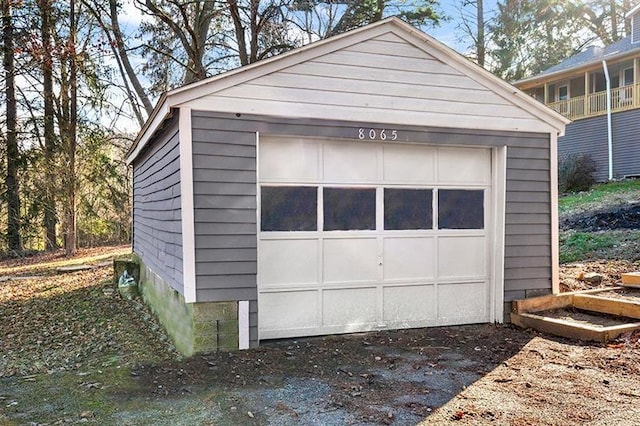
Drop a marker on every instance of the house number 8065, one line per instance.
(373, 134)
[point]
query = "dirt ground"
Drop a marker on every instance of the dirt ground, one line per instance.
(625, 216)
(73, 351)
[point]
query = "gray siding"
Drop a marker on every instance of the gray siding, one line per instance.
(157, 225)
(225, 198)
(589, 136)
(527, 266)
(635, 36)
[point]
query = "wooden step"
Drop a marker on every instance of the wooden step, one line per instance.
(631, 279)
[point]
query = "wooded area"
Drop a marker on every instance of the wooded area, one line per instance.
(81, 77)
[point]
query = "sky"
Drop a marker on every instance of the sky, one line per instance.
(447, 32)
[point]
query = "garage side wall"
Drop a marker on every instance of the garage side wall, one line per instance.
(224, 159)
(527, 266)
(157, 225)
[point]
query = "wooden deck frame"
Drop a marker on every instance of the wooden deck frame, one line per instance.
(525, 314)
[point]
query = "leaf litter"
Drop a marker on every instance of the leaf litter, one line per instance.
(76, 330)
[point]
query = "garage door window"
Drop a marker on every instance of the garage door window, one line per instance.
(407, 209)
(347, 209)
(460, 209)
(289, 208)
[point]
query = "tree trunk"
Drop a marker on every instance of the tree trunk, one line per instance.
(124, 57)
(614, 20)
(50, 145)
(13, 154)
(234, 10)
(480, 49)
(70, 241)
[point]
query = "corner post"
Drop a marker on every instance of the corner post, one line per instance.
(186, 205)
(555, 239)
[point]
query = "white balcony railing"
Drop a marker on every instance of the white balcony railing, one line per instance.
(622, 98)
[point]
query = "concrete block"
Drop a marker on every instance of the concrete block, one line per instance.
(228, 327)
(537, 292)
(506, 313)
(228, 342)
(192, 327)
(205, 328)
(204, 344)
(215, 311)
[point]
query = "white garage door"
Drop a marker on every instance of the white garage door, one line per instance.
(357, 236)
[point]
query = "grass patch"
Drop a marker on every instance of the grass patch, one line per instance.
(48, 262)
(602, 194)
(581, 246)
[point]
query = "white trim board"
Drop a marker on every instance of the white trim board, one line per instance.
(243, 324)
(499, 177)
(186, 206)
(555, 238)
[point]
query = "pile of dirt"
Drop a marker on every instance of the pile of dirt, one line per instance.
(572, 274)
(620, 217)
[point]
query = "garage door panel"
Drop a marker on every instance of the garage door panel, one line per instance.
(301, 165)
(462, 256)
(409, 164)
(349, 307)
(349, 260)
(399, 237)
(462, 302)
(288, 310)
(409, 305)
(409, 258)
(287, 262)
(350, 163)
(464, 165)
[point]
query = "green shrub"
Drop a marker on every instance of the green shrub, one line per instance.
(575, 173)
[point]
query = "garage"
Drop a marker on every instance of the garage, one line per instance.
(357, 236)
(373, 180)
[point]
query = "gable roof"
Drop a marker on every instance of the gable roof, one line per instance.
(418, 39)
(593, 55)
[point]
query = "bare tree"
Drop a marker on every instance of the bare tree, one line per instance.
(473, 25)
(259, 30)
(70, 135)
(13, 154)
(191, 24)
(106, 16)
(50, 140)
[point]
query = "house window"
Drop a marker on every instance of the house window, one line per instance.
(285, 208)
(347, 209)
(627, 76)
(563, 93)
(407, 209)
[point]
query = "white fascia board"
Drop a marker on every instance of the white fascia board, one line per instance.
(158, 116)
(186, 201)
(484, 77)
(632, 12)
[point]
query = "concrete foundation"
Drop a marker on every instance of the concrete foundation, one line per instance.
(193, 327)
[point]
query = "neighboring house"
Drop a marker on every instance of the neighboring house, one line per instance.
(373, 180)
(577, 88)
